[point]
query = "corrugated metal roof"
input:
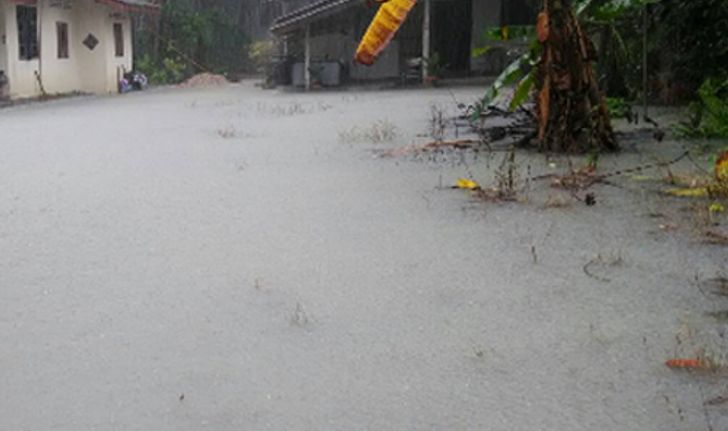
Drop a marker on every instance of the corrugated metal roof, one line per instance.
(306, 14)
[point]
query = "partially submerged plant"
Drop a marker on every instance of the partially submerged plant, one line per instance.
(227, 132)
(299, 317)
(717, 188)
(379, 132)
(438, 123)
(507, 176)
(708, 117)
(507, 181)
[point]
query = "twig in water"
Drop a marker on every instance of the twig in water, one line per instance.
(588, 272)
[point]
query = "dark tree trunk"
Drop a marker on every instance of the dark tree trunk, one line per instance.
(572, 112)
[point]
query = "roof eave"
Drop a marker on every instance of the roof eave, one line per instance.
(148, 8)
(297, 19)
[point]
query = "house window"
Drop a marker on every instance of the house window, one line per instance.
(119, 39)
(62, 36)
(27, 17)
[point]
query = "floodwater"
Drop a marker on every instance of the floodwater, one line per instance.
(238, 259)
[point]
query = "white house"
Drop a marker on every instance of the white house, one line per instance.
(62, 46)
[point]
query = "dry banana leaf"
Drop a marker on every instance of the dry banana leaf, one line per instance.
(387, 21)
(721, 168)
(466, 184)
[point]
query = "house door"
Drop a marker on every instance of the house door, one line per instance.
(451, 27)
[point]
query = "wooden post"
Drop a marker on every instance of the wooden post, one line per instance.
(307, 56)
(426, 38)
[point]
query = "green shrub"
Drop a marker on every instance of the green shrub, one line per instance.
(618, 107)
(708, 117)
(170, 71)
(261, 54)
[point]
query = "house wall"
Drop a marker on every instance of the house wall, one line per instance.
(3, 44)
(486, 13)
(386, 67)
(340, 48)
(117, 66)
(21, 73)
(58, 75)
(86, 70)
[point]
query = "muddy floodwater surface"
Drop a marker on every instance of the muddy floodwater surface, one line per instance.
(239, 259)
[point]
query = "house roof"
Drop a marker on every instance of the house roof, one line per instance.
(147, 6)
(143, 6)
(300, 17)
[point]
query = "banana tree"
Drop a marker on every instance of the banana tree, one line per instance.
(572, 114)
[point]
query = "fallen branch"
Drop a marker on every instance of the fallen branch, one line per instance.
(716, 401)
(688, 364)
(716, 237)
(586, 177)
(588, 272)
(462, 144)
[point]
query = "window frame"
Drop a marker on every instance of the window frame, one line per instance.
(119, 43)
(62, 41)
(28, 40)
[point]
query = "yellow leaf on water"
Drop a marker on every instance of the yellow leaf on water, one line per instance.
(689, 193)
(466, 184)
(716, 208)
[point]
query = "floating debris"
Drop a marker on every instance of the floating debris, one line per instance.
(717, 401)
(466, 184)
(720, 316)
(718, 286)
(688, 364)
(716, 236)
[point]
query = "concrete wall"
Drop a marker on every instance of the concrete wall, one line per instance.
(3, 44)
(58, 75)
(117, 66)
(21, 73)
(94, 71)
(486, 13)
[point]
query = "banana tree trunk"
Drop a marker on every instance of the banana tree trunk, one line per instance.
(572, 112)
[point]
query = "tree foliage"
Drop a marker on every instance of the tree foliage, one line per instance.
(192, 37)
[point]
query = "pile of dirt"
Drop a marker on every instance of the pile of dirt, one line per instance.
(205, 80)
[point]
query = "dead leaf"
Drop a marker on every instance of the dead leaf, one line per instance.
(689, 193)
(716, 237)
(721, 168)
(466, 184)
(716, 401)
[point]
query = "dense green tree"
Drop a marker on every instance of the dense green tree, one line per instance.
(192, 36)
